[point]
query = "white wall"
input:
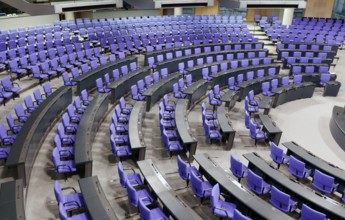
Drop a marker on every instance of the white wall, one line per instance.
(25, 21)
(125, 13)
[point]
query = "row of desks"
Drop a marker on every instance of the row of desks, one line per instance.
(300, 192)
(136, 139)
(86, 133)
(12, 200)
(87, 81)
(28, 142)
(172, 204)
(337, 125)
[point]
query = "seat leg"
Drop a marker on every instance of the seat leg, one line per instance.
(278, 166)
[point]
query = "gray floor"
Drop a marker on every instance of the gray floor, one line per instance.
(303, 121)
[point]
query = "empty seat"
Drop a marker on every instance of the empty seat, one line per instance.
(219, 207)
(132, 178)
(151, 213)
(237, 168)
(257, 184)
(282, 201)
(308, 213)
(277, 154)
(201, 189)
(323, 182)
(185, 170)
(135, 195)
(297, 168)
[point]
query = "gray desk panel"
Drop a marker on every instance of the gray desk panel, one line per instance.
(274, 133)
(188, 140)
(246, 201)
(226, 129)
(87, 81)
(315, 78)
(230, 97)
(123, 85)
(195, 91)
(221, 78)
(292, 92)
(12, 200)
(300, 192)
(171, 202)
(28, 141)
(316, 163)
(337, 125)
(158, 90)
(309, 45)
(95, 200)
(87, 129)
(310, 61)
(134, 131)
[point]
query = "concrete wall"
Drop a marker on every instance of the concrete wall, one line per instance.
(125, 13)
(25, 21)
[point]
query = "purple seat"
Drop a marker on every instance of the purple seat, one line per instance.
(278, 156)
(132, 179)
(148, 82)
(85, 98)
(134, 196)
(38, 96)
(324, 182)
(14, 127)
(232, 85)
(239, 216)
(67, 124)
(171, 145)
(135, 94)
(282, 201)
(22, 115)
(265, 87)
(309, 69)
(201, 189)
(126, 108)
(323, 69)
(119, 150)
(285, 81)
(72, 200)
(6, 139)
(212, 100)
(62, 165)
(152, 213)
(177, 93)
(75, 118)
(78, 106)
(164, 73)
(8, 85)
(308, 213)
(257, 184)
(256, 133)
(66, 139)
(30, 104)
(67, 80)
(100, 86)
(219, 207)
(272, 71)
(324, 78)
(297, 79)
(185, 171)
(297, 168)
(238, 169)
(141, 86)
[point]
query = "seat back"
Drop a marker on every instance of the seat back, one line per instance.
(323, 182)
(276, 153)
(196, 184)
(182, 168)
(132, 194)
(237, 168)
(308, 213)
(255, 182)
(239, 216)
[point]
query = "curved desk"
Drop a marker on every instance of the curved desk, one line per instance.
(221, 78)
(305, 65)
(270, 128)
(230, 97)
(158, 90)
(12, 200)
(247, 202)
(172, 64)
(195, 91)
(315, 78)
(96, 202)
(310, 61)
(172, 204)
(223, 46)
(28, 142)
(123, 85)
(309, 45)
(136, 139)
(292, 92)
(198, 69)
(226, 129)
(255, 85)
(330, 54)
(188, 141)
(316, 163)
(337, 125)
(87, 129)
(87, 81)
(300, 192)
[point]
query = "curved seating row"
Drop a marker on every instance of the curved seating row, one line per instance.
(314, 162)
(307, 46)
(301, 193)
(287, 61)
(195, 91)
(247, 202)
(163, 191)
(336, 125)
(226, 129)
(28, 141)
(283, 53)
(292, 92)
(86, 132)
